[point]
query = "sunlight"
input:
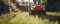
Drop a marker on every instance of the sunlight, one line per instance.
(31, 1)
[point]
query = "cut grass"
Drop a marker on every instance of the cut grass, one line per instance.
(53, 13)
(22, 18)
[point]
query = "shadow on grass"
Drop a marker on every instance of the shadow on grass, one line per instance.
(53, 18)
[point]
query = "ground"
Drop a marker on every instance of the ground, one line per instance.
(18, 17)
(23, 18)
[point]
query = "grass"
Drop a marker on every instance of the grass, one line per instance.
(53, 13)
(23, 18)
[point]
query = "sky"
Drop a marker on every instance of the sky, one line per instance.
(26, 1)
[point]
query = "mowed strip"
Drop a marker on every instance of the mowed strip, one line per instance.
(53, 13)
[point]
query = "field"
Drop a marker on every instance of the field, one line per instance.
(19, 17)
(22, 18)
